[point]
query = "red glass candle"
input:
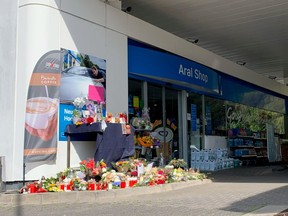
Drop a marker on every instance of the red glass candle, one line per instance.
(32, 188)
(123, 184)
(104, 186)
(91, 186)
(98, 186)
(62, 187)
(68, 187)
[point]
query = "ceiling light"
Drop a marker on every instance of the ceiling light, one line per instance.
(242, 63)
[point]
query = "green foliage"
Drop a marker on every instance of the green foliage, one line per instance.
(255, 119)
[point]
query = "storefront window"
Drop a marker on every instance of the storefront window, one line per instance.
(135, 100)
(155, 102)
(253, 119)
(215, 117)
(238, 116)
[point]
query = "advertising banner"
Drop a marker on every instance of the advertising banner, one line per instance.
(83, 78)
(41, 119)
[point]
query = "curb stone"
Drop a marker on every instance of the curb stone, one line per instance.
(91, 196)
(269, 210)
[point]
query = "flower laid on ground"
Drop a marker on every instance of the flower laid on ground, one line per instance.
(96, 176)
(122, 166)
(51, 184)
(194, 175)
(79, 184)
(102, 165)
(88, 168)
(109, 177)
(129, 165)
(176, 163)
(136, 162)
(92, 169)
(177, 175)
(62, 175)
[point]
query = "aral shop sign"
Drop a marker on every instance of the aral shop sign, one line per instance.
(159, 65)
(193, 74)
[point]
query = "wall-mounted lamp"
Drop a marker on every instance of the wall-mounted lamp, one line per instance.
(194, 41)
(272, 77)
(242, 63)
(127, 10)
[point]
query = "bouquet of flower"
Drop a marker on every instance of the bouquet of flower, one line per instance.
(102, 166)
(178, 163)
(145, 141)
(51, 184)
(89, 168)
(93, 169)
(79, 102)
(79, 184)
(62, 175)
(193, 175)
(122, 166)
(77, 113)
(109, 177)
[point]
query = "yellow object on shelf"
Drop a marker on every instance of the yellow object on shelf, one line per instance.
(145, 141)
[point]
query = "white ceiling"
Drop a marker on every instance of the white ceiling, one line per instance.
(251, 31)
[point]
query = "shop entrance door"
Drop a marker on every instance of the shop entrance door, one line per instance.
(194, 122)
(163, 104)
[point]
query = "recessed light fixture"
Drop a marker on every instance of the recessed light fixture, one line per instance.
(242, 63)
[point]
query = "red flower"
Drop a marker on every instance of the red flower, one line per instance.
(160, 172)
(90, 164)
(95, 171)
(89, 120)
(83, 162)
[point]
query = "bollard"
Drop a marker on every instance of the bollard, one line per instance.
(2, 185)
(0, 170)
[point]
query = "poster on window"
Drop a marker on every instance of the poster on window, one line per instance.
(41, 116)
(83, 78)
(208, 118)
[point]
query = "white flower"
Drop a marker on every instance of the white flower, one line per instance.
(79, 102)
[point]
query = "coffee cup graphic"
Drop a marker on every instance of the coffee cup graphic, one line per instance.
(39, 111)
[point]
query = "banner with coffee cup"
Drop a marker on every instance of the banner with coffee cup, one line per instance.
(41, 120)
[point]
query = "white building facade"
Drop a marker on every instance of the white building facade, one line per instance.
(31, 28)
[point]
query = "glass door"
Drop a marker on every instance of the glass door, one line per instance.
(172, 120)
(194, 122)
(163, 104)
